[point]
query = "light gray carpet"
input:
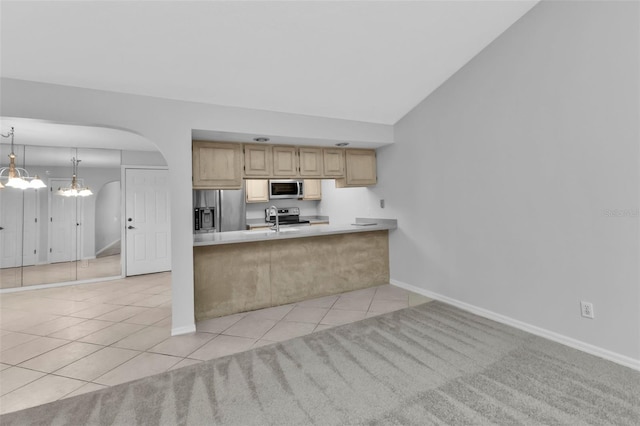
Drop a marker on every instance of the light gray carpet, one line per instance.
(431, 364)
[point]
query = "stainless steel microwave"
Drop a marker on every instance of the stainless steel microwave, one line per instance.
(285, 188)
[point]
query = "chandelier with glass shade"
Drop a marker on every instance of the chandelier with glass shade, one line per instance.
(75, 189)
(17, 177)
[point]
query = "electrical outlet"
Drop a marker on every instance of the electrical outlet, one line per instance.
(382, 204)
(586, 309)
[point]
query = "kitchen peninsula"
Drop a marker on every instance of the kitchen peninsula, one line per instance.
(246, 270)
(243, 270)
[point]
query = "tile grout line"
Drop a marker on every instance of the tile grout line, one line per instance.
(130, 359)
(371, 301)
(276, 322)
(329, 310)
(62, 338)
(190, 353)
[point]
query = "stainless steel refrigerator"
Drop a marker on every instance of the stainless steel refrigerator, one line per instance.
(219, 210)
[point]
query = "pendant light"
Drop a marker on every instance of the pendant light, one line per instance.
(17, 177)
(75, 190)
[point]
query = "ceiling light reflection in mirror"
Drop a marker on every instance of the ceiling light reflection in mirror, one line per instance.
(75, 189)
(17, 177)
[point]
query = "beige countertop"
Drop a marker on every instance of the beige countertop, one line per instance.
(235, 237)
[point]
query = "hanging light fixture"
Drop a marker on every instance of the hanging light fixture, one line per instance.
(17, 177)
(75, 190)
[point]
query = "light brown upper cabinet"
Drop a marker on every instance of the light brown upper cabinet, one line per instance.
(360, 168)
(257, 160)
(217, 165)
(310, 161)
(285, 161)
(223, 165)
(312, 189)
(333, 162)
(257, 190)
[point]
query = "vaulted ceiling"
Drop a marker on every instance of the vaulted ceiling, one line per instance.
(369, 61)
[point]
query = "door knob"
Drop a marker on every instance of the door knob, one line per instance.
(131, 227)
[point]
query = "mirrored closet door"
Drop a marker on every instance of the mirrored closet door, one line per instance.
(69, 230)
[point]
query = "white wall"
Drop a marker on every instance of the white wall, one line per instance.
(343, 205)
(169, 124)
(143, 158)
(503, 179)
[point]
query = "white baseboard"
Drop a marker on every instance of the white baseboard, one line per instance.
(61, 284)
(559, 338)
(176, 331)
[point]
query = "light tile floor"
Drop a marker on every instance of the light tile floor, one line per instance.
(65, 341)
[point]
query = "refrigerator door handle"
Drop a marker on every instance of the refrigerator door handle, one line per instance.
(218, 224)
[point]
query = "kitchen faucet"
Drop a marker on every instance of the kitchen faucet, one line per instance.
(275, 209)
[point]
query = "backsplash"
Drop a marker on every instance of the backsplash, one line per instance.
(307, 208)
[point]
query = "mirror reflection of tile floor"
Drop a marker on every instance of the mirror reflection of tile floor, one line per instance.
(102, 267)
(64, 341)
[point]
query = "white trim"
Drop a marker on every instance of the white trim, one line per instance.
(123, 220)
(183, 330)
(62, 284)
(559, 338)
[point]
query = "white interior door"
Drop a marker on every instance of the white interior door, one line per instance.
(63, 224)
(11, 223)
(19, 233)
(30, 231)
(147, 221)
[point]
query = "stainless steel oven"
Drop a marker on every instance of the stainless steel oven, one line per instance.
(285, 188)
(286, 216)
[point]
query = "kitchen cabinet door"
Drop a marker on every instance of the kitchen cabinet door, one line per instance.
(257, 160)
(310, 161)
(333, 164)
(217, 165)
(312, 189)
(360, 168)
(285, 161)
(257, 190)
